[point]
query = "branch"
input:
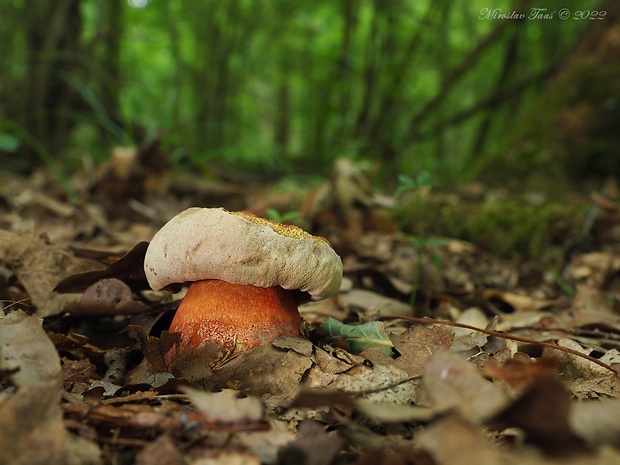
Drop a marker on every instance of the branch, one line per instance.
(503, 335)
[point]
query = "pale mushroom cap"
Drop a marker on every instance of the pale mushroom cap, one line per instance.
(212, 243)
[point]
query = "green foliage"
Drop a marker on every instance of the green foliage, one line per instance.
(359, 337)
(9, 143)
(424, 245)
(19, 135)
(409, 184)
(279, 86)
(292, 217)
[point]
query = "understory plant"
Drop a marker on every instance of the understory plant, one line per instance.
(421, 242)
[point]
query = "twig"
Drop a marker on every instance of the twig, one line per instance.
(503, 335)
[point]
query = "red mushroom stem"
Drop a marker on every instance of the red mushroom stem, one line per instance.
(239, 317)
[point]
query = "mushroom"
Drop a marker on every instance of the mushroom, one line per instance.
(244, 271)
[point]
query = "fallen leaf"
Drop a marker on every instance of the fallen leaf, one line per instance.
(573, 367)
(521, 371)
(264, 445)
(161, 451)
(390, 413)
(468, 341)
(417, 344)
(25, 346)
(129, 269)
(379, 383)
(154, 349)
(225, 457)
(359, 337)
(106, 297)
(517, 302)
(313, 446)
(543, 413)
(298, 344)
(315, 398)
(456, 385)
(38, 266)
(32, 425)
(197, 365)
(264, 370)
(597, 422)
(452, 440)
(226, 406)
(372, 305)
(83, 451)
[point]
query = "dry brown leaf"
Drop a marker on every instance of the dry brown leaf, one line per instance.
(453, 441)
(456, 385)
(393, 456)
(225, 457)
(543, 413)
(594, 388)
(32, 426)
(300, 345)
(313, 446)
(82, 451)
(265, 444)
(390, 413)
(161, 451)
(225, 406)
(521, 371)
(518, 302)
(467, 341)
(594, 267)
(105, 298)
(379, 383)
(196, 365)
(39, 267)
(154, 349)
(25, 346)
(573, 367)
(315, 398)
(78, 375)
(372, 305)
(264, 370)
(129, 268)
(597, 422)
(417, 344)
(334, 362)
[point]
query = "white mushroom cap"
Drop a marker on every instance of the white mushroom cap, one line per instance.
(240, 248)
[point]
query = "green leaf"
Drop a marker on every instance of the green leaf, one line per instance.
(291, 217)
(8, 143)
(436, 258)
(360, 337)
(405, 184)
(273, 214)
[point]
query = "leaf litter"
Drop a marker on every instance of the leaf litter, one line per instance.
(513, 366)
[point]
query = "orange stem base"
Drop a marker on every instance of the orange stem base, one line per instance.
(237, 316)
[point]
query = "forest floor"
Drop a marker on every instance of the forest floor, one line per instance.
(84, 380)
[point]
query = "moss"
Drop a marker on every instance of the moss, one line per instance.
(507, 229)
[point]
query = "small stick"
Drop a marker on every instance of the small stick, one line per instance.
(501, 334)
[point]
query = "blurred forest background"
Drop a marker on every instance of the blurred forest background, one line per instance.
(280, 88)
